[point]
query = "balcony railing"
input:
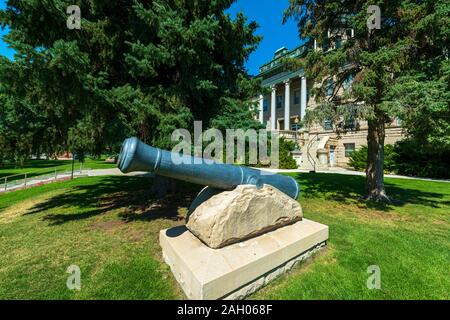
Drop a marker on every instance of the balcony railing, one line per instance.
(297, 52)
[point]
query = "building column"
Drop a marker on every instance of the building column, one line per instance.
(287, 104)
(261, 109)
(303, 98)
(273, 115)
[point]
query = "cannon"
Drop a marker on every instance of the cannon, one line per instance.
(138, 156)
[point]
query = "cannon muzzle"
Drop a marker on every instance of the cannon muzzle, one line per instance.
(138, 156)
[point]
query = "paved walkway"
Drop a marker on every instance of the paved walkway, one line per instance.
(37, 181)
(351, 172)
(20, 184)
(116, 172)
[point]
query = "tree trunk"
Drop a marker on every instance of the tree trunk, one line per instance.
(375, 161)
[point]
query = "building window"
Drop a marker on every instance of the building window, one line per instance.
(348, 82)
(349, 149)
(279, 102)
(328, 125)
(338, 42)
(297, 97)
(329, 88)
(295, 126)
(351, 123)
(326, 45)
(349, 33)
(266, 105)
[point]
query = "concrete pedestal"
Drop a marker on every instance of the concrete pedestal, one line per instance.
(297, 155)
(322, 154)
(238, 270)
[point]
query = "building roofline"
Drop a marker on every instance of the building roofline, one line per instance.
(276, 62)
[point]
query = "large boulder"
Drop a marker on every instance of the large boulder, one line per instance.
(220, 218)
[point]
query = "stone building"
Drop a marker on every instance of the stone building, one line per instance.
(320, 147)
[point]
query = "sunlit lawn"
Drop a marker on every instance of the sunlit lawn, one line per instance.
(109, 226)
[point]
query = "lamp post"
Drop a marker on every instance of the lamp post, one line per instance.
(295, 135)
(73, 164)
(296, 153)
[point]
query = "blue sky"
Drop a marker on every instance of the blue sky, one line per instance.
(267, 13)
(269, 16)
(4, 50)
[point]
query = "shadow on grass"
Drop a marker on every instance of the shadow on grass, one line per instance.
(117, 192)
(348, 188)
(134, 194)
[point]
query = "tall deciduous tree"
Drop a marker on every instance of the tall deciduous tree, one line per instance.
(384, 63)
(134, 68)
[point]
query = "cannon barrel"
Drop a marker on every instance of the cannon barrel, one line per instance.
(138, 156)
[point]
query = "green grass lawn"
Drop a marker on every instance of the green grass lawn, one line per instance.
(43, 167)
(109, 226)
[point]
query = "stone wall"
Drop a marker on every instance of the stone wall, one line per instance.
(359, 138)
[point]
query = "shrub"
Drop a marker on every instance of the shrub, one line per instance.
(286, 159)
(409, 158)
(358, 159)
(413, 159)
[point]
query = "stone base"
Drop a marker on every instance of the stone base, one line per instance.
(238, 270)
(226, 217)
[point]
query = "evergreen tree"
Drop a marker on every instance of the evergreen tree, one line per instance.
(134, 68)
(408, 52)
